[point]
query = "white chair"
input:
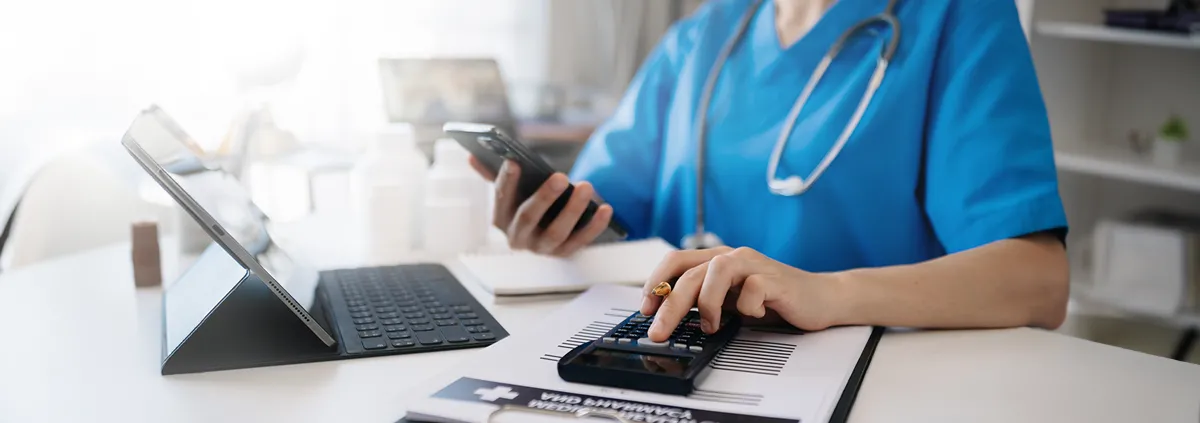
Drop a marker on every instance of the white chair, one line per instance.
(75, 202)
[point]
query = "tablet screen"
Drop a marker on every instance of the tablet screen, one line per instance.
(206, 192)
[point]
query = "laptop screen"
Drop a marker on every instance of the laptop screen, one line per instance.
(219, 203)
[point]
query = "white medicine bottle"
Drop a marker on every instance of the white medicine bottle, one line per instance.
(456, 203)
(388, 183)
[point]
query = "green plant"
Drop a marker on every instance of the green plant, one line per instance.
(1174, 129)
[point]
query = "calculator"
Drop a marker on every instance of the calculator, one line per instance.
(625, 358)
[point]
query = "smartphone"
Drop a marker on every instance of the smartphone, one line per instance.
(492, 147)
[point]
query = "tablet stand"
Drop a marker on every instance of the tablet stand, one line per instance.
(249, 327)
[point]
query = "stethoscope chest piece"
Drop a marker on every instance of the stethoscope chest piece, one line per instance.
(701, 241)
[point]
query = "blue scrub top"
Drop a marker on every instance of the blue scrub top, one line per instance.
(954, 151)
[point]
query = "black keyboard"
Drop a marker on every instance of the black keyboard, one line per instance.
(412, 307)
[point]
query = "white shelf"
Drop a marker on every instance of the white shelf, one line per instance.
(1121, 164)
(1092, 32)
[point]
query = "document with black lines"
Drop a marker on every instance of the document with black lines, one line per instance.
(767, 376)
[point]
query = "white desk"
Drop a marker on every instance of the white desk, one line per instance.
(81, 344)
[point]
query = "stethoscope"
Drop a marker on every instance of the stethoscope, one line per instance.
(792, 185)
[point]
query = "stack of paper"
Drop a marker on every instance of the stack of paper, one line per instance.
(762, 376)
(525, 273)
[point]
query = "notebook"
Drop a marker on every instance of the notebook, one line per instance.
(521, 273)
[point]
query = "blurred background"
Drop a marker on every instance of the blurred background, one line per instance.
(292, 93)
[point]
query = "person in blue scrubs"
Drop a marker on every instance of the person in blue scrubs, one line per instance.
(942, 210)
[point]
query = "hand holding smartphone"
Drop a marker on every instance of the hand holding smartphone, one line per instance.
(538, 208)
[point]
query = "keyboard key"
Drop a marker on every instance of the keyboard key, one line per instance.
(481, 329)
(369, 334)
(374, 344)
(366, 327)
(403, 343)
(429, 338)
(360, 314)
(471, 322)
(399, 335)
(462, 309)
(446, 322)
(394, 328)
(391, 321)
(443, 316)
(454, 334)
(439, 310)
(387, 309)
(388, 315)
(473, 329)
(422, 328)
(412, 309)
(359, 309)
(420, 321)
(364, 321)
(483, 336)
(417, 315)
(468, 316)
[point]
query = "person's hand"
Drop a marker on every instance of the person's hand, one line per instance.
(519, 219)
(724, 280)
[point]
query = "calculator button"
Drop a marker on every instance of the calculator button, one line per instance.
(696, 348)
(646, 342)
(399, 335)
(638, 320)
(374, 344)
(369, 334)
(401, 343)
(483, 336)
(609, 339)
(625, 341)
(679, 345)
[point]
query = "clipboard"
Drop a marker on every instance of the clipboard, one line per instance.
(765, 374)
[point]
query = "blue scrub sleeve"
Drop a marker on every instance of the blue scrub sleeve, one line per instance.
(990, 172)
(622, 158)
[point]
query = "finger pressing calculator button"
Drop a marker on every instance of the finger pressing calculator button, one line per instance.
(646, 342)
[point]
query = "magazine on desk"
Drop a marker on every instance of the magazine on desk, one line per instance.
(761, 376)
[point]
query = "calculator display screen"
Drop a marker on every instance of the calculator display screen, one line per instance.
(623, 360)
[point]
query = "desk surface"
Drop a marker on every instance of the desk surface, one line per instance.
(82, 344)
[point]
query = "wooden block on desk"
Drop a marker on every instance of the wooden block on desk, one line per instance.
(147, 259)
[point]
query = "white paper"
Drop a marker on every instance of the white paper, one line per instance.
(522, 273)
(782, 375)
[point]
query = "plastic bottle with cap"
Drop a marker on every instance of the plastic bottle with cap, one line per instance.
(456, 203)
(388, 182)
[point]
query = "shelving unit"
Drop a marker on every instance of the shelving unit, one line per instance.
(1125, 165)
(1090, 32)
(1100, 84)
